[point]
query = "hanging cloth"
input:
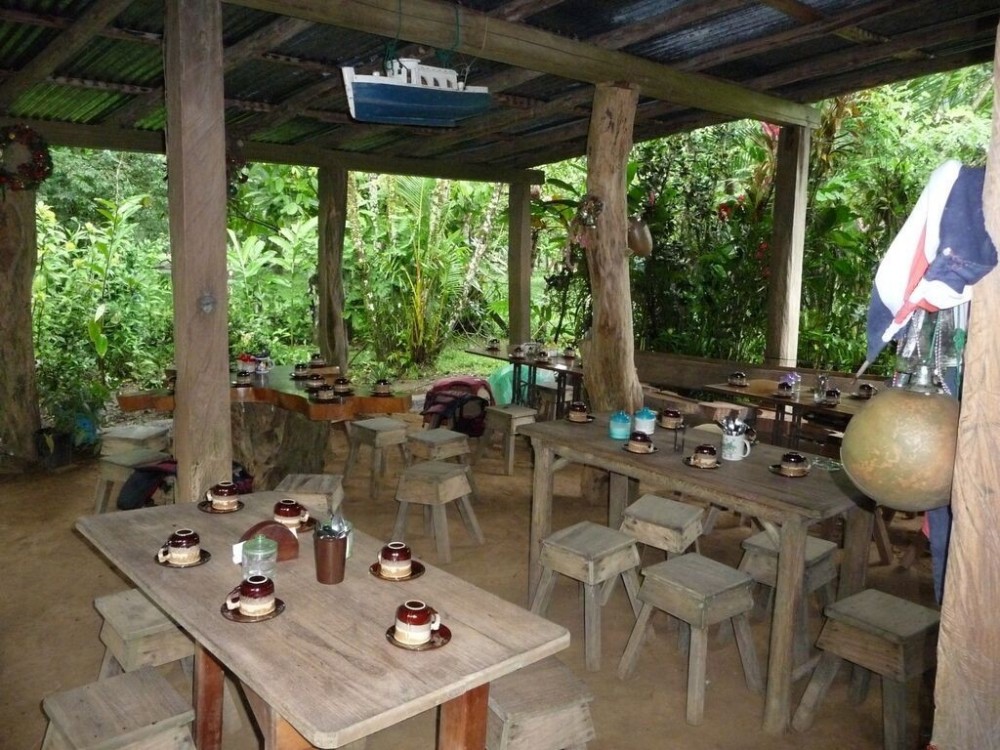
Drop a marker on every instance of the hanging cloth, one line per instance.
(940, 252)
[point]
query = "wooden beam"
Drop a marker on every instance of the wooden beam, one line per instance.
(787, 248)
(61, 49)
(807, 14)
(196, 192)
(519, 263)
(23, 18)
(434, 22)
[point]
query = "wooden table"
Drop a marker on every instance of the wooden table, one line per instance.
(277, 428)
(786, 507)
(279, 389)
(322, 673)
(794, 407)
(568, 372)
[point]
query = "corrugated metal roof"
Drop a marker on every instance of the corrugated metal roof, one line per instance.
(289, 90)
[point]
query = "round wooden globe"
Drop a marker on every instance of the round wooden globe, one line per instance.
(900, 449)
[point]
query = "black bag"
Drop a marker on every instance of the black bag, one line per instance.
(138, 489)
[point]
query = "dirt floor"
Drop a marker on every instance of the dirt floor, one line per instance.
(49, 628)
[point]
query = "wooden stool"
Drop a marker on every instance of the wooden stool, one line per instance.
(701, 592)
(137, 634)
(887, 635)
(124, 438)
(441, 444)
(505, 420)
(760, 562)
(135, 710)
(378, 433)
(539, 707)
(669, 525)
(593, 555)
(314, 488)
(117, 468)
(435, 484)
(547, 402)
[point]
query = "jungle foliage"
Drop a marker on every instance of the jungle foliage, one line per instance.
(426, 261)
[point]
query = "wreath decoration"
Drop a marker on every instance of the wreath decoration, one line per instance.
(25, 161)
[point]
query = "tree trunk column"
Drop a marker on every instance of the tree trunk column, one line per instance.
(968, 668)
(787, 247)
(332, 221)
(609, 367)
(519, 262)
(19, 419)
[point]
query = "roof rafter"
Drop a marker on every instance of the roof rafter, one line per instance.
(433, 22)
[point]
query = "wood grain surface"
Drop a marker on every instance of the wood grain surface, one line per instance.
(324, 664)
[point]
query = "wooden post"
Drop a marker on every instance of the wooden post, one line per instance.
(196, 190)
(519, 262)
(609, 374)
(968, 669)
(332, 334)
(19, 418)
(787, 247)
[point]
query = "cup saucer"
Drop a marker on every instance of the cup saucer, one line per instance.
(439, 638)
(776, 469)
(203, 558)
(782, 394)
(236, 616)
(590, 418)
(665, 427)
(693, 465)
(307, 525)
(416, 570)
(640, 453)
(207, 507)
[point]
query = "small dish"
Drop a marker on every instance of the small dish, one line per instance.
(241, 385)
(590, 418)
(202, 559)
(439, 638)
(738, 385)
(300, 376)
(693, 465)
(782, 394)
(859, 397)
(416, 570)
(381, 395)
(206, 507)
(236, 616)
(639, 453)
(662, 426)
(776, 469)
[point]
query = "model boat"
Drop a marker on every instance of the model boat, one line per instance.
(413, 94)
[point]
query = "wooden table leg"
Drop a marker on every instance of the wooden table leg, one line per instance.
(788, 592)
(858, 525)
(208, 686)
(462, 720)
(277, 732)
(541, 511)
(622, 490)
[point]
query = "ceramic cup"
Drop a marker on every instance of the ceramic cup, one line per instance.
(569, 352)
(785, 388)
(737, 378)
(578, 412)
(867, 390)
(382, 387)
(493, 344)
(301, 368)
(244, 377)
(182, 548)
(317, 360)
(831, 397)
(341, 385)
(794, 464)
(325, 393)
(639, 442)
(735, 447)
(671, 419)
(290, 513)
(395, 560)
(223, 496)
(705, 455)
(253, 597)
(415, 622)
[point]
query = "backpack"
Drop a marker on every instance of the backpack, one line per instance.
(458, 403)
